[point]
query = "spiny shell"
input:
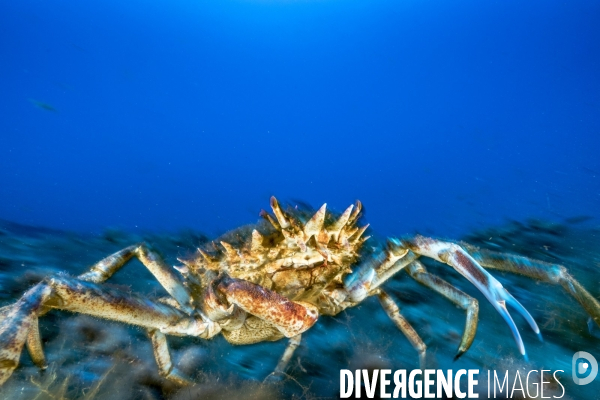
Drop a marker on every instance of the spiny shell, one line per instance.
(291, 256)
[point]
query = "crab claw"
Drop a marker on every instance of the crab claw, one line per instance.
(453, 255)
(289, 317)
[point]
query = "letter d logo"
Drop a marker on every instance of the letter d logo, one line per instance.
(581, 367)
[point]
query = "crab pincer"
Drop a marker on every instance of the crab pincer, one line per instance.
(453, 255)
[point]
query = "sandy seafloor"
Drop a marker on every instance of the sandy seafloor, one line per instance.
(91, 358)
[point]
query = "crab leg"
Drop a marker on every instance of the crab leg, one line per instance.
(397, 257)
(71, 294)
(15, 327)
(163, 359)
(453, 255)
(285, 358)
(34, 345)
(392, 310)
(33, 341)
(418, 272)
(541, 271)
(105, 268)
(365, 281)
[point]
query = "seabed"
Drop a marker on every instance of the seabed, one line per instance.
(91, 358)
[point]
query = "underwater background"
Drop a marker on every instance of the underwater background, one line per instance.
(175, 121)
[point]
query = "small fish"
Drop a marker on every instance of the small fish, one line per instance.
(492, 244)
(43, 106)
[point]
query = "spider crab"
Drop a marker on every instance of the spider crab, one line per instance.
(274, 284)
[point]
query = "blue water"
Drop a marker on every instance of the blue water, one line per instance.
(441, 117)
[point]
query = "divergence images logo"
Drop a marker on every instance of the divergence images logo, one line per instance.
(580, 367)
